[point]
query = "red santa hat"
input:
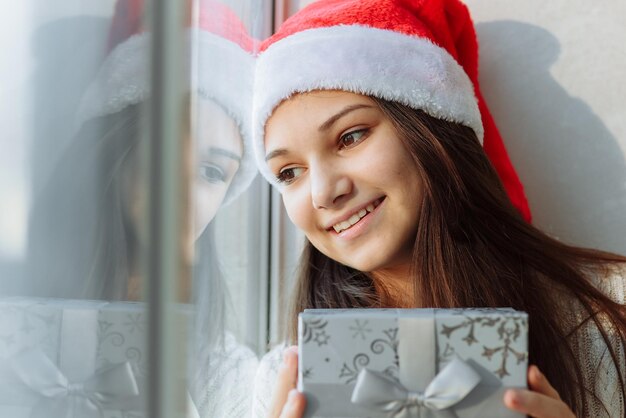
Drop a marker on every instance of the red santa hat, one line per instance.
(223, 68)
(421, 53)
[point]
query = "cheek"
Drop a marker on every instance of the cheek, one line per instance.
(299, 208)
(393, 167)
(207, 200)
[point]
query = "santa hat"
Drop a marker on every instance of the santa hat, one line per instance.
(421, 53)
(224, 66)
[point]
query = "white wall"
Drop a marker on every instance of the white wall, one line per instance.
(554, 76)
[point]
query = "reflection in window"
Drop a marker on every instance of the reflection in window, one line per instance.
(79, 283)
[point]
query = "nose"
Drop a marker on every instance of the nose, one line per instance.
(328, 185)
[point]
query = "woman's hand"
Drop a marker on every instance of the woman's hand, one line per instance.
(287, 402)
(541, 401)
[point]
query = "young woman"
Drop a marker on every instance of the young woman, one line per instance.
(379, 140)
(85, 240)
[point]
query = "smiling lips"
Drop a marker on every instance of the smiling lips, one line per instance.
(356, 217)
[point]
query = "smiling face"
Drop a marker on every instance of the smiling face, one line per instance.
(349, 183)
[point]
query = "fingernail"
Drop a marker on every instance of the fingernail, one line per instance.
(513, 397)
(537, 373)
(292, 405)
(292, 393)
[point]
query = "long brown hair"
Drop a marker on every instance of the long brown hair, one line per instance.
(473, 249)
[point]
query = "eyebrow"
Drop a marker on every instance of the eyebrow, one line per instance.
(225, 153)
(323, 127)
(331, 120)
(276, 153)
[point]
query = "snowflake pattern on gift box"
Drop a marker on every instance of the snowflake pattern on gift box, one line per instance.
(321, 338)
(134, 323)
(26, 326)
(107, 334)
(313, 329)
(112, 335)
(360, 329)
(446, 353)
(389, 342)
(509, 330)
(350, 373)
(470, 324)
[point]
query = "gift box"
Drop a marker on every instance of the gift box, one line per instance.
(381, 363)
(72, 358)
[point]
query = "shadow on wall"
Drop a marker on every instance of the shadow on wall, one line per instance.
(572, 167)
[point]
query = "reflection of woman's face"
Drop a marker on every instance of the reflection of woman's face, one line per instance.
(217, 150)
(217, 155)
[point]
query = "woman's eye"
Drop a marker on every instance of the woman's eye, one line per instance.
(288, 175)
(351, 138)
(212, 173)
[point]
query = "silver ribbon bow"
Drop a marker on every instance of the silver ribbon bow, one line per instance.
(378, 391)
(62, 398)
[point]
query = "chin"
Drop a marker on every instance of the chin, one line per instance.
(362, 263)
(376, 261)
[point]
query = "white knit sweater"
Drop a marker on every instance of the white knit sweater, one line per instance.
(587, 341)
(226, 381)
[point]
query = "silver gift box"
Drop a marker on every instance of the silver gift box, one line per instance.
(73, 358)
(379, 363)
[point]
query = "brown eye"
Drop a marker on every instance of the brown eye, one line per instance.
(288, 175)
(352, 138)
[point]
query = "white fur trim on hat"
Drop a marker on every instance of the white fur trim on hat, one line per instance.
(223, 72)
(360, 59)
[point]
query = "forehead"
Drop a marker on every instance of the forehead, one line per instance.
(309, 110)
(319, 102)
(214, 128)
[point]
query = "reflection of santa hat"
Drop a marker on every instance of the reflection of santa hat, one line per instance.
(423, 54)
(224, 67)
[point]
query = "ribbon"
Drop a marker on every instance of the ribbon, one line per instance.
(378, 391)
(62, 398)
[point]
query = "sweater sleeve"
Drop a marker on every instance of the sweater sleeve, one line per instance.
(225, 389)
(598, 366)
(265, 380)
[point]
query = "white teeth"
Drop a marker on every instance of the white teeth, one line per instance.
(341, 226)
(353, 219)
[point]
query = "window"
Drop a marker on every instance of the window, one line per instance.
(134, 241)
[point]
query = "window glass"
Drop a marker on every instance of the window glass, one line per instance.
(80, 176)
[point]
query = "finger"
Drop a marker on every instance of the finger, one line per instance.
(538, 382)
(294, 408)
(286, 380)
(536, 404)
